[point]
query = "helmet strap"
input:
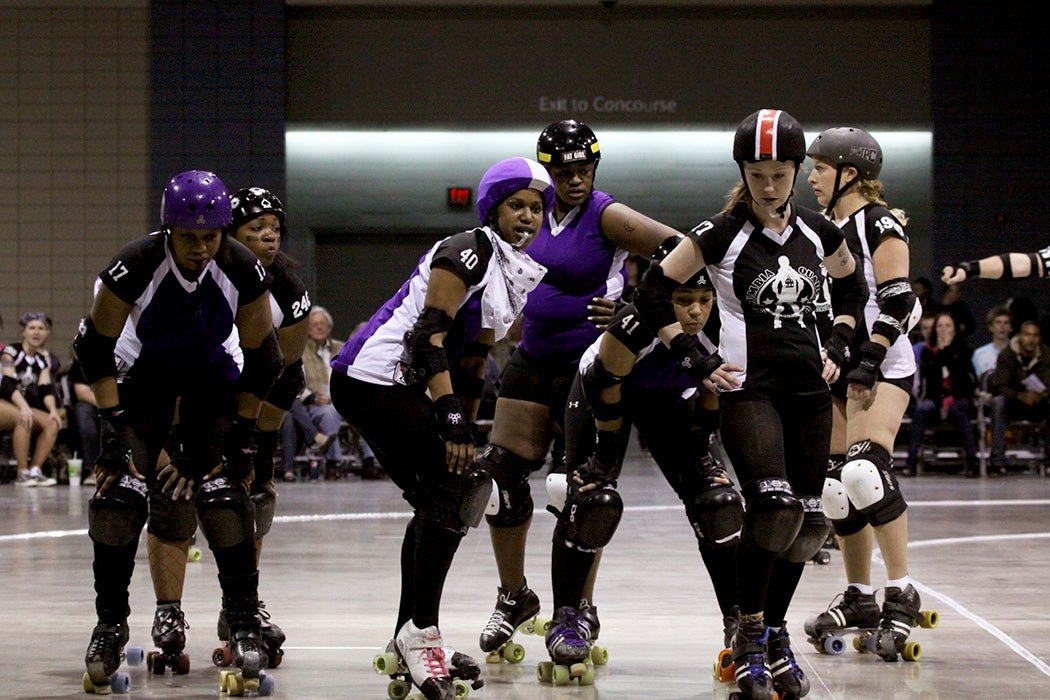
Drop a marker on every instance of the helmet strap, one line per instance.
(839, 191)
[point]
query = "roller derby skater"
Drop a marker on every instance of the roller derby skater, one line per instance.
(900, 613)
(776, 366)
(247, 654)
(513, 612)
(856, 613)
(169, 635)
(862, 497)
(413, 399)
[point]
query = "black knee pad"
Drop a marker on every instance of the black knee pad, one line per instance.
(717, 516)
(172, 521)
(458, 503)
(226, 513)
(264, 504)
(589, 520)
(116, 517)
(773, 515)
(511, 474)
(813, 533)
(870, 484)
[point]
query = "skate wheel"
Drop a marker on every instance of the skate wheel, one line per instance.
(234, 684)
(858, 645)
(385, 663)
(588, 676)
(398, 689)
(514, 653)
(599, 656)
(930, 619)
(223, 676)
(461, 689)
(725, 669)
(530, 626)
(834, 645)
(822, 557)
(155, 663)
(577, 669)
(266, 685)
(539, 625)
(544, 672)
(182, 664)
(221, 657)
(193, 554)
(89, 686)
(493, 657)
(274, 658)
(912, 651)
(135, 656)
(560, 675)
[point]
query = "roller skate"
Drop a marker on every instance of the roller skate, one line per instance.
(856, 613)
(749, 657)
(247, 655)
(104, 654)
(513, 612)
(463, 670)
(569, 640)
(724, 669)
(788, 679)
(273, 637)
(900, 613)
(169, 635)
(417, 657)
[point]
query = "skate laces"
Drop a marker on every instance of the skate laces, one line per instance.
(502, 615)
(172, 617)
(432, 661)
(264, 614)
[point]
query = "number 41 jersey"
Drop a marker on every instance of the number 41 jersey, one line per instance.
(181, 328)
(768, 286)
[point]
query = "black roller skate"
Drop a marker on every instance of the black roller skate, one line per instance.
(169, 635)
(568, 640)
(463, 668)
(900, 613)
(273, 637)
(788, 678)
(104, 654)
(247, 654)
(724, 670)
(855, 613)
(749, 657)
(513, 611)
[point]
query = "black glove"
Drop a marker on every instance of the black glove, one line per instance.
(837, 347)
(115, 439)
(453, 425)
(972, 268)
(867, 372)
(603, 467)
(239, 448)
(686, 351)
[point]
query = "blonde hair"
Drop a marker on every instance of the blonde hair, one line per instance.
(871, 190)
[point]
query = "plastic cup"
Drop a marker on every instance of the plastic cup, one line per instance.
(73, 470)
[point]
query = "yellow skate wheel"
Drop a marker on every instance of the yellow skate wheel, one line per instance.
(234, 684)
(514, 653)
(930, 619)
(588, 676)
(544, 672)
(398, 689)
(193, 554)
(385, 663)
(912, 651)
(493, 657)
(599, 655)
(223, 680)
(539, 625)
(461, 688)
(89, 687)
(561, 675)
(577, 669)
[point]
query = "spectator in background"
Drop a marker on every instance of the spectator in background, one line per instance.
(952, 302)
(28, 368)
(1021, 378)
(1000, 323)
(922, 332)
(923, 289)
(945, 392)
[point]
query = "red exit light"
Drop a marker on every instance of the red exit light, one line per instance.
(459, 197)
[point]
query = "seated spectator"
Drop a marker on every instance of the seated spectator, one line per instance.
(1021, 378)
(946, 390)
(27, 368)
(999, 321)
(83, 420)
(953, 303)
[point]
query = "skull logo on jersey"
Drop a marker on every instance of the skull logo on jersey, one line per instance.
(785, 293)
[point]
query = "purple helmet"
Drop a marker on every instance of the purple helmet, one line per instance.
(507, 177)
(195, 199)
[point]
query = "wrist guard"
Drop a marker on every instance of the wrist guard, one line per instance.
(837, 347)
(686, 351)
(453, 425)
(867, 372)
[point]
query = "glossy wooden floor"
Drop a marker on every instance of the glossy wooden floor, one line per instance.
(980, 556)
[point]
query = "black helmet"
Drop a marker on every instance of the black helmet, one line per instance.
(252, 202)
(769, 134)
(698, 281)
(845, 145)
(567, 141)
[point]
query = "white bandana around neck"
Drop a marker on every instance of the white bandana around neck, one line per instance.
(515, 275)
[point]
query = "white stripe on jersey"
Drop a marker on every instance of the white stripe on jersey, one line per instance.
(732, 347)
